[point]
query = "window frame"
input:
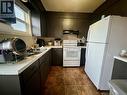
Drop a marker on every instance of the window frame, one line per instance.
(28, 28)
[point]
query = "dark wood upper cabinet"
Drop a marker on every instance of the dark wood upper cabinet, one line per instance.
(44, 68)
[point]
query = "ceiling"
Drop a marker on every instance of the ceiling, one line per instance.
(84, 6)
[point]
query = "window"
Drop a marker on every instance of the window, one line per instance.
(22, 19)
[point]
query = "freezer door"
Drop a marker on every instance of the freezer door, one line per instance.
(94, 60)
(99, 31)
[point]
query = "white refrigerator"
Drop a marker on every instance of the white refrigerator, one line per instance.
(106, 38)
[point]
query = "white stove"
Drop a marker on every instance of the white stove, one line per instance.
(71, 53)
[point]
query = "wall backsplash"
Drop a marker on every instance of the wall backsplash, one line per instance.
(29, 40)
(6, 31)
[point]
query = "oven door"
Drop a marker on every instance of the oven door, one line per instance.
(71, 54)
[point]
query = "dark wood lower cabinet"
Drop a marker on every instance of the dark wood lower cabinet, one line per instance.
(10, 85)
(57, 56)
(43, 71)
(30, 81)
(44, 67)
(83, 59)
(33, 86)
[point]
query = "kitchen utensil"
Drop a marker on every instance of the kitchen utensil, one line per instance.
(57, 42)
(50, 43)
(15, 45)
(41, 42)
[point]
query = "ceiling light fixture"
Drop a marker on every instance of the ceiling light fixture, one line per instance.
(24, 1)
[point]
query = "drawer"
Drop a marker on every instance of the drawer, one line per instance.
(71, 63)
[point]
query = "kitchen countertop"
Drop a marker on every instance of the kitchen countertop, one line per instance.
(119, 86)
(81, 46)
(17, 68)
(54, 46)
(62, 46)
(124, 59)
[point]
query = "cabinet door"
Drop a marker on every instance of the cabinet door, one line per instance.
(30, 80)
(44, 67)
(57, 57)
(82, 60)
(29, 72)
(50, 57)
(43, 72)
(33, 85)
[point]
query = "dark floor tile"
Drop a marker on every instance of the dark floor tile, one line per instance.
(87, 90)
(71, 90)
(54, 81)
(55, 90)
(69, 81)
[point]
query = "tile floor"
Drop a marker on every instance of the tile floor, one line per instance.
(69, 81)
